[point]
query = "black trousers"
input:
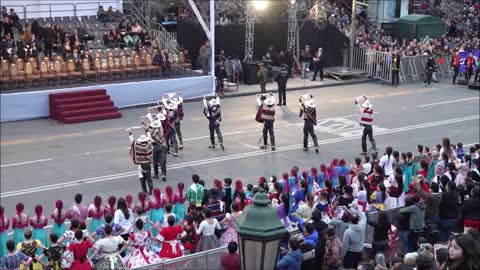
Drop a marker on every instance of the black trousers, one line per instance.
(172, 139)
(268, 128)
(476, 75)
(395, 77)
(159, 159)
(263, 84)
(317, 67)
(179, 133)
(48, 50)
(428, 80)
(146, 178)
(282, 93)
(308, 128)
(469, 74)
(216, 129)
(455, 74)
(368, 131)
(352, 259)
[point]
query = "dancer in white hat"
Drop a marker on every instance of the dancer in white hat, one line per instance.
(266, 115)
(309, 112)
(141, 151)
(155, 133)
(171, 122)
(366, 120)
(212, 111)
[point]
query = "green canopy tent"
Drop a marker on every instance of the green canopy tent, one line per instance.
(417, 26)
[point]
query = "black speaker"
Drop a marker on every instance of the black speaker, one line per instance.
(474, 85)
(462, 82)
(250, 69)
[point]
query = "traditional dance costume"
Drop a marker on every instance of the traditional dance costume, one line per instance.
(4, 224)
(230, 233)
(156, 209)
(208, 240)
(141, 152)
(309, 112)
(80, 251)
(96, 213)
(213, 113)
(58, 226)
(141, 255)
(266, 115)
(180, 210)
(170, 123)
(155, 133)
(19, 223)
(54, 257)
(366, 120)
(171, 247)
(109, 260)
(30, 248)
(38, 231)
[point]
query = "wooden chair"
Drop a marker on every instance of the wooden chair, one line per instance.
(46, 60)
(20, 64)
(4, 77)
(5, 66)
(15, 76)
(86, 70)
(33, 62)
(99, 69)
(182, 61)
(72, 71)
(150, 66)
(45, 73)
(125, 67)
(30, 76)
(59, 72)
(138, 66)
(112, 68)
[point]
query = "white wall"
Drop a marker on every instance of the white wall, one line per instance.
(44, 8)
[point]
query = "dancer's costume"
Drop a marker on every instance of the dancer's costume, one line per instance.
(366, 120)
(266, 115)
(309, 112)
(213, 113)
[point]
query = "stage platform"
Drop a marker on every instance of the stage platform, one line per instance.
(340, 73)
(35, 103)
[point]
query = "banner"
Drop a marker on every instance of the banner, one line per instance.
(463, 58)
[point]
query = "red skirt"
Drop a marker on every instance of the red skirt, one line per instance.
(77, 265)
(167, 251)
(472, 223)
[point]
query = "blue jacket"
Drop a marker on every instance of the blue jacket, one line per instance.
(312, 239)
(291, 261)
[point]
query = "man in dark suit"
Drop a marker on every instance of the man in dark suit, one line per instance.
(318, 63)
(48, 40)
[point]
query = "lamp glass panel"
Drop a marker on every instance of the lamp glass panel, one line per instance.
(253, 254)
(271, 250)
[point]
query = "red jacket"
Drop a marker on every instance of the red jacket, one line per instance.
(456, 61)
(470, 62)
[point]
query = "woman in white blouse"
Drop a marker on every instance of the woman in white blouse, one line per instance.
(124, 217)
(387, 162)
(208, 240)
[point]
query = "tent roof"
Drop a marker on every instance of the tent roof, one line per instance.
(418, 18)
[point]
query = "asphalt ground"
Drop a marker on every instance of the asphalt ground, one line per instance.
(43, 160)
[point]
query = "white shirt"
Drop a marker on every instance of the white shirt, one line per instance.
(109, 245)
(208, 229)
(367, 167)
(120, 219)
(387, 164)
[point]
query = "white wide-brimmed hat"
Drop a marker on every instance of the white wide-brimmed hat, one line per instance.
(160, 116)
(171, 106)
(143, 138)
(156, 124)
(310, 103)
(367, 104)
(213, 102)
(269, 101)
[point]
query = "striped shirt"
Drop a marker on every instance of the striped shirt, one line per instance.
(268, 113)
(366, 117)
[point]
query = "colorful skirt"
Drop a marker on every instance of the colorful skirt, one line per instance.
(140, 257)
(180, 210)
(109, 263)
(95, 224)
(41, 235)
(229, 235)
(3, 243)
(431, 170)
(155, 214)
(59, 230)
(18, 236)
(207, 243)
(407, 175)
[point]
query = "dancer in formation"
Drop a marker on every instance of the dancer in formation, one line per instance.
(179, 100)
(156, 135)
(171, 123)
(212, 111)
(4, 224)
(266, 115)
(309, 112)
(366, 120)
(142, 154)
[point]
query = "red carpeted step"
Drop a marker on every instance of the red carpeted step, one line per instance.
(86, 112)
(83, 93)
(95, 117)
(64, 101)
(84, 105)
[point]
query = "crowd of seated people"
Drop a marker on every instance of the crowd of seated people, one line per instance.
(330, 209)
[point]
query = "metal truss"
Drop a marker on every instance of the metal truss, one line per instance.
(249, 32)
(292, 26)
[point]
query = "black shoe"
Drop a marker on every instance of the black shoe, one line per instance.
(284, 104)
(164, 179)
(316, 151)
(155, 176)
(364, 154)
(175, 154)
(263, 147)
(221, 146)
(279, 104)
(212, 146)
(313, 80)
(273, 148)
(180, 147)
(305, 148)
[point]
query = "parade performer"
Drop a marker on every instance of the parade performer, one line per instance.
(107, 246)
(212, 112)
(4, 224)
(156, 135)
(309, 112)
(266, 115)
(282, 78)
(168, 236)
(179, 101)
(366, 120)
(141, 152)
(156, 204)
(19, 222)
(180, 209)
(171, 123)
(96, 211)
(58, 218)
(38, 224)
(110, 207)
(30, 247)
(140, 255)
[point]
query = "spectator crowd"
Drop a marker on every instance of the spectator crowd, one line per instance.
(414, 210)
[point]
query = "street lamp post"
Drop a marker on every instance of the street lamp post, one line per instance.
(259, 234)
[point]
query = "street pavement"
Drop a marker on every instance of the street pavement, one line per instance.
(43, 160)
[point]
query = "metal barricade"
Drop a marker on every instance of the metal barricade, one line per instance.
(210, 259)
(86, 8)
(52, 9)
